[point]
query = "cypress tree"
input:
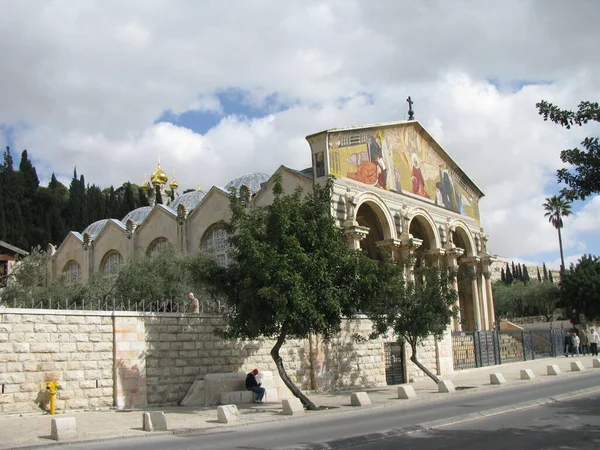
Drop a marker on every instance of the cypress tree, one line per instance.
(539, 276)
(550, 278)
(545, 271)
(525, 274)
(13, 198)
(509, 276)
(130, 204)
(502, 275)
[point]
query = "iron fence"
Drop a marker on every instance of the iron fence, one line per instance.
(485, 348)
(207, 306)
(394, 363)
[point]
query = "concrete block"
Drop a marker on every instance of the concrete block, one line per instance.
(227, 414)
(406, 391)
(446, 387)
(497, 378)
(360, 399)
(596, 362)
(63, 428)
(237, 397)
(576, 366)
(292, 407)
(195, 395)
(553, 369)
(527, 374)
(154, 421)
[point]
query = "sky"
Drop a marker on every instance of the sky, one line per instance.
(218, 89)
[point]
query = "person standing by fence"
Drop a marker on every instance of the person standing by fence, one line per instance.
(568, 344)
(585, 342)
(594, 338)
(575, 345)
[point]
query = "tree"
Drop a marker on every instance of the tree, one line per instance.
(581, 289)
(583, 176)
(508, 274)
(526, 278)
(291, 273)
(523, 300)
(503, 276)
(550, 277)
(414, 310)
(539, 275)
(556, 208)
(545, 271)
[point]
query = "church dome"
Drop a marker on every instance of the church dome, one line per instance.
(138, 215)
(95, 228)
(158, 176)
(173, 184)
(252, 180)
(190, 200)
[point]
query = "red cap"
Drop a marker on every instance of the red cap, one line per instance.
(255, 371)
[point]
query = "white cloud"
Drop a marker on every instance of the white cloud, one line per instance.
(84, 84)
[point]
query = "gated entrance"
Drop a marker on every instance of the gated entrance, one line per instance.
(394, 362)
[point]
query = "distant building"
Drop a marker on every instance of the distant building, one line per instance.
(9, 256)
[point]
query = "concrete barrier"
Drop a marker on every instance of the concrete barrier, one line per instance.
(242, 397)
(596, 362)
(227, 414)
(360, 399)
(497, 378)
(406, 391)
(446, 387)
(576, 366)
(553, 369)
(63, 428)
(527, 374)
(292, 407)
(154, 421)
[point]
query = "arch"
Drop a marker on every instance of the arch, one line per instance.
(157, 246)
(111, 264)
(215, 241)
(72, 272)
(462, 238)
(429, 230)
(381, 210)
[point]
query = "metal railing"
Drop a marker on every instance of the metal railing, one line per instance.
(484, 348)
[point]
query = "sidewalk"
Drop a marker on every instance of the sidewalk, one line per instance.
(34, 429)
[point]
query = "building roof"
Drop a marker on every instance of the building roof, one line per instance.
(252, 180)
(190, 200)
(12, 248)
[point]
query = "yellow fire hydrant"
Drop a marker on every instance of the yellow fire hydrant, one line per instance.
(52, 387)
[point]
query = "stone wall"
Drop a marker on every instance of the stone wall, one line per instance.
(129, 359)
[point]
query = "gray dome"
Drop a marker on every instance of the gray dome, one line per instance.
(190, 200)
(95, 228)
(137, 215)
(252, 180)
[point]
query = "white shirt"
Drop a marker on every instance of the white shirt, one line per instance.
(594, 338)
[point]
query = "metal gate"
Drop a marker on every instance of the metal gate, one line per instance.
(487, 348)
(557, 338)
(394, 362)
(528, 353)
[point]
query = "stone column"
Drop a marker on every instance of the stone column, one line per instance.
(490, 299)
(476, 310)
(354, 233)
(484, 302)
(452, 255)
(390, 246)
(408, 245)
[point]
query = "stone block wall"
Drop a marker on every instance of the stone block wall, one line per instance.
(130, 359)
(77, 349)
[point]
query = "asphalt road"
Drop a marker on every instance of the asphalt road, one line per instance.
(570, 424)
(358, 427)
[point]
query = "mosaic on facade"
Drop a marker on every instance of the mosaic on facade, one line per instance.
(404, 160)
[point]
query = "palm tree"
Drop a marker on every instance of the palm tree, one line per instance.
(556, 207)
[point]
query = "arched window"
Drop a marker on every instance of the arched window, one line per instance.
(216, 242)
(157, 246)
(111, 264)
(72, 273)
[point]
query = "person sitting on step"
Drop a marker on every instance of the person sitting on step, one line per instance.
(254, 386)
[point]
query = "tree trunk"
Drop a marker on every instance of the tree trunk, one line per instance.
(414, 359)
(562, 258)
(283, 374)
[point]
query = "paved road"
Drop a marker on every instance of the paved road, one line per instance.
(338, 430)
(570, 424)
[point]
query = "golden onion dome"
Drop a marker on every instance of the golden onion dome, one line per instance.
(158, 176)
(173, 184)
(145, 186)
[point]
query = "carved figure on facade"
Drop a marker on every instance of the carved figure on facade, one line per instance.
(350, 207)
(51, 249)
(87, 241)
(182, 213)
(130, 227)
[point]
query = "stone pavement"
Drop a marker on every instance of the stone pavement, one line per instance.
(30, 430)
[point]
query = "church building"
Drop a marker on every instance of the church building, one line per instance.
(395, 189)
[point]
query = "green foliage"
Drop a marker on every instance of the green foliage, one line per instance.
(582, 177)
(557, 208)
(525, 299)
(581, 289)
(291, 273)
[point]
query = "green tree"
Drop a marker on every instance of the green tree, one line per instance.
(539, 275)
(582, 177)
(545, 270)
(291, 275)
(413, 310)
(556, 208)
(581, 289)
(502, 276)
(523, 300)
(526, 278)
(508, 275)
